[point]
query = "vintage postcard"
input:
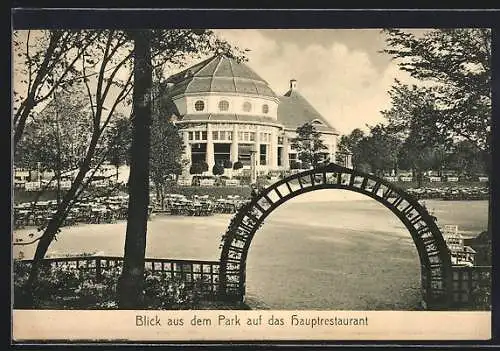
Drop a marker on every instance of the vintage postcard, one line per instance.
(251, 184)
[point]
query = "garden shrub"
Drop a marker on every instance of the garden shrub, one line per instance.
(66, 287)
(294, 164)
(237, 165)
(218, 169)
(196, 168)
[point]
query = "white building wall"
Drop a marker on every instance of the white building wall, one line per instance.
(186, 104)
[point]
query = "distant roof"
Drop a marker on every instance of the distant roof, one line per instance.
(226, 75)
(220, 74)
(294, 110)
(228, 117)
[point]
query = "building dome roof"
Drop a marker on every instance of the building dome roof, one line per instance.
(220, 74)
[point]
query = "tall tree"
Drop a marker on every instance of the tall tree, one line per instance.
(146, 44)
(44, 61)
(105, 70)
(415, 119)
(454, 66)
(99, 76)
(309, 146)
(130, 287)
(465, 159)
(63, 121)
(167, 146)
(419, 158)
(378, 150)
(350, 144)
(119, 141)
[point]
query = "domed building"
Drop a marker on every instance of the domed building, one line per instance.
(228, 111)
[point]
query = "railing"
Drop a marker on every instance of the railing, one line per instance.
(465, 285)
(204, 273)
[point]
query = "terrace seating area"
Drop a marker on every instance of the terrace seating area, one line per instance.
(90, 211)
(450, 193)
(200, 205)
(113, 208)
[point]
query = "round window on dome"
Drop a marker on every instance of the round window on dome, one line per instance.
(265, 108)
(199, 105)
(247, 107)
(223, 105)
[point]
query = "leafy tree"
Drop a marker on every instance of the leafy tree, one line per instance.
(105, 70)
(119, 141)
(422, 150)
(418, 159)
(465, 159)
(131, 281)
(309, 145)
(350, 144)
(167, 147)
(379, 150)
(44, 62)
(454, 66)
(414, 118)
(57, 137)
(148, 43)
(102, 74)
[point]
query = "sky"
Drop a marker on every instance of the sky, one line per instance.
(339, 71)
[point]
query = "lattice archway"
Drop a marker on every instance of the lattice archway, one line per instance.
(434, 256)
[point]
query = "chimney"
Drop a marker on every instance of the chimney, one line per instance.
(293, 84)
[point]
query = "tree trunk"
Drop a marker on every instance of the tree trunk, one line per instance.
(49, 234)
(117, 171)
(419, 178)
(130, 285)
(157, 187)
(58, 173)
(162, 196)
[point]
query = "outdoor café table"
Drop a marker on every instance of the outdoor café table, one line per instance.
(96, 215)
(195, 209)
(20, 218)
(206, 209)
(42, 206)
(175, 208)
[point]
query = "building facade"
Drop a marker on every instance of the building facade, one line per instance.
(228, 112)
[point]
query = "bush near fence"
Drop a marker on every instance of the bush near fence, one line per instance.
(90, 283)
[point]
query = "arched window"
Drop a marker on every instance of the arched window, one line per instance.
(247, 107)
(265, 108)
(199, 105)
(223, 105)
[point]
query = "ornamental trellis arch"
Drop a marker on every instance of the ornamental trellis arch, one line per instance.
(432, 250)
